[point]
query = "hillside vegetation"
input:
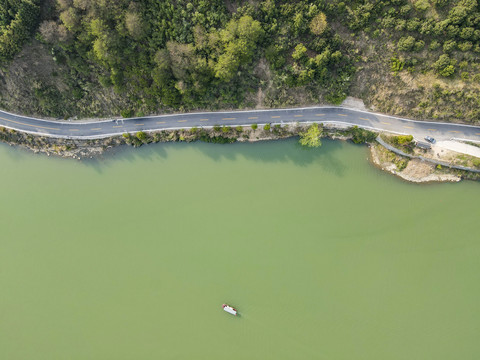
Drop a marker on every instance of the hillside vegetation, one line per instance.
(90, 58)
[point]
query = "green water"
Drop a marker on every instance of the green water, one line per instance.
(325, 257)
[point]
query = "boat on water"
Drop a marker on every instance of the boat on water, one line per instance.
(229, 309)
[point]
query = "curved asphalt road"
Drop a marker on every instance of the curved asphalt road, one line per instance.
(330, 114)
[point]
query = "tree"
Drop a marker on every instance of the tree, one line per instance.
(135, 25)
(52, 32)
(422, 5)
(142, 136)
(17, 21)
(311, 138)
(403, 139)
(299, 52)
(449, 46)
(445, 66)
(318, 24)
(181, 58)
(239, 40)
(70, 19)
(406, 43)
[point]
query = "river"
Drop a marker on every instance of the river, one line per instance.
(325, 257)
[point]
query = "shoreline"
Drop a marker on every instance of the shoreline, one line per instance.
(412, 170)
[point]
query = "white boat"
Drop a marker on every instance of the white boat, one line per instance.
(229, 309)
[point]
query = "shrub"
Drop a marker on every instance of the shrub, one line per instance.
(401, 164)
(311, 137)
(444, 65)
(421, 5)
(404, 139)
(254, 126)
(396, 65)
(434, 45)
(267, 127)
(126, 113)
(419, 45)
(216, 139)
(449, 46)
(299, 52)
(465, 46)
(406, 43)
(318, 24)
(142, 136)
(360, 136)
(448, 71)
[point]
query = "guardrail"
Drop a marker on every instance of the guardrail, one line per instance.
(436, 162)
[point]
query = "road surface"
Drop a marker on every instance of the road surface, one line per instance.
(324, 114)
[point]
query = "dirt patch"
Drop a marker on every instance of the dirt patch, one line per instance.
(413, 170)
(418, 169)
(354, 103)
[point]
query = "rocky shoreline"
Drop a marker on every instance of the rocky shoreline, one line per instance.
(412, 170)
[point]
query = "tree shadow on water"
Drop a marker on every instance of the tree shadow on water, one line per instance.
(126, 153)
(281, 151)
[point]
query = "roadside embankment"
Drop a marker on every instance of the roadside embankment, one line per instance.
(79, 149)
(404, 157)
(411, 167)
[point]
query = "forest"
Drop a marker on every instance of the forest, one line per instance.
(93, 58)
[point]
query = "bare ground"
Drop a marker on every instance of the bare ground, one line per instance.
(415, 170)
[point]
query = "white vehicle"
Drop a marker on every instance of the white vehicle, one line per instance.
(229, 309)
(430, 139)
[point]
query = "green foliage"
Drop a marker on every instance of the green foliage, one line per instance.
(405, 142)
(299, 52)
(422, 5)
(216, 139)
(449, 46)
(183, 55)
(404, 139)
(360, 136)
(318, 24)
(18, 18)
(239, 40)
(434, 45)
(142, 136)
(406, 43)
(311, 137)
(465, 46)
(396, 65)
(127, 113)
(254, 126)
(445, 66)
(267, 127)
(401, 164)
